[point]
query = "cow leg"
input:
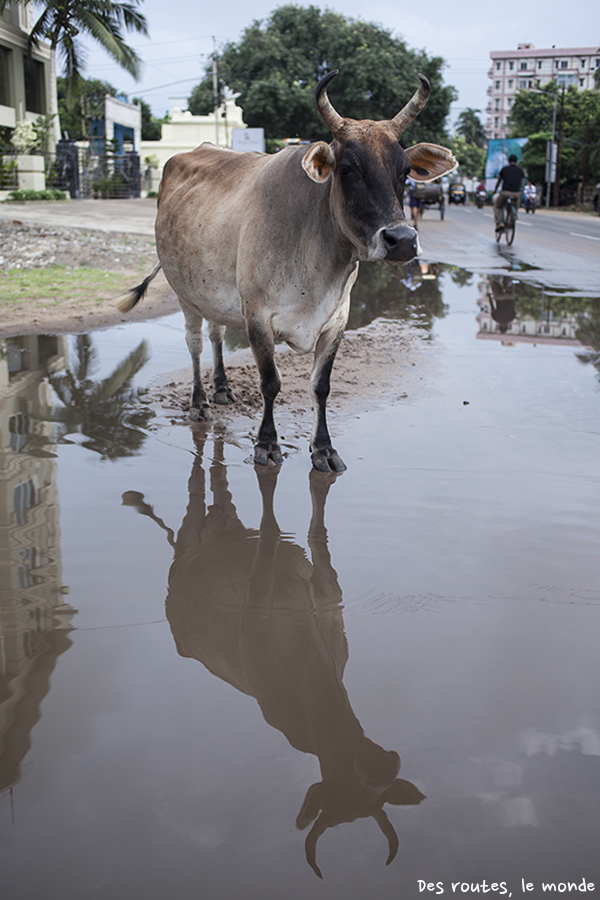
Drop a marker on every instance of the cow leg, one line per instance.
(199, 408)
(222, 393)
(261, 340)
(324, 457)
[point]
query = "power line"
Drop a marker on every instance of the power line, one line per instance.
(161, 86)
(204, 37)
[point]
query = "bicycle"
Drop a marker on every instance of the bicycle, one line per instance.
(509, 222)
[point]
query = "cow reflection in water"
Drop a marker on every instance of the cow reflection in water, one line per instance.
(251, 607)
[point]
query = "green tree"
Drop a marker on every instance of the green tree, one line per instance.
(151, 126)
(470, 127)
(61, 21)
(577, 133)
(75, 118)
(275, 66)
(471, 158)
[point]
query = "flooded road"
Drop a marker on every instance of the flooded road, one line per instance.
(221, 683)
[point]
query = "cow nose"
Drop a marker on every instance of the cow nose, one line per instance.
(401, 243)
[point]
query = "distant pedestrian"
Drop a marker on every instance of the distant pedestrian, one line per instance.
(415, 202)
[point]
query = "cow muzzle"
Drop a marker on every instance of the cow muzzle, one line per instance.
(399, 244)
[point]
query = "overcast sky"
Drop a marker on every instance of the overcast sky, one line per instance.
(464, 33)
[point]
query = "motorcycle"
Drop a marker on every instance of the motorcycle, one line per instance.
(480, 197)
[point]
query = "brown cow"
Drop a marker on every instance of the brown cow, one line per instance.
(271, 244)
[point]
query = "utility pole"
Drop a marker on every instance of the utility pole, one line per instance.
(551, 161)
(550, 150)
(225, 113)
(215, 80)
(585, 160)
(560, 148)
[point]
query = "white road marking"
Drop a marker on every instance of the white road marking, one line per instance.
(588, 236)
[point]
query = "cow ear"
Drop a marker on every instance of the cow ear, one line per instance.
(430, 161)
(402, 793)
(319, 162)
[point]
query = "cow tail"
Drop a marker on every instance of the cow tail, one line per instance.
(135, 294)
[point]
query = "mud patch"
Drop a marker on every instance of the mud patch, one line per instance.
(376, 364)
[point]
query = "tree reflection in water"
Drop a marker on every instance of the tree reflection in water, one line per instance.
(251, 607)
(107, 412)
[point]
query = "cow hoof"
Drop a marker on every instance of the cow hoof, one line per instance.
(262, 455)
(197, 414)
(327, 461)
(224, 398)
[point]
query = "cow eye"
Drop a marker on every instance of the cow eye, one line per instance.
(345, 169)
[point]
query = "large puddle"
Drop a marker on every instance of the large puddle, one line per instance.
(216, 683)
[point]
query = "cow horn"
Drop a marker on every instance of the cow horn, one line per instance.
(332, 119)
(388, 829)
(310, 844)
(414, 106)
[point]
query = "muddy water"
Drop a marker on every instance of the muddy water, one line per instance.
(195, 659)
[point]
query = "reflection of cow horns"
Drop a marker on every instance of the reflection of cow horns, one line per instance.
(400, 122)
(257, 613)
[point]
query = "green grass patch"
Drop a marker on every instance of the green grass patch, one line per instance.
(35, 287)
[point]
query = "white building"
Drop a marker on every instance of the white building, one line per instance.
(185, 132)
(526, 68)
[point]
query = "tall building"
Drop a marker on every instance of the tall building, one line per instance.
(526, 68)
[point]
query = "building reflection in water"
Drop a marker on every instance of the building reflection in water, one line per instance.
(251, 607)
(515, 311)
(34, 619)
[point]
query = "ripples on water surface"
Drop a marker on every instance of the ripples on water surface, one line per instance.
(213, 698)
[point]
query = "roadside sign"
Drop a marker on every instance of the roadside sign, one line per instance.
(246, 139)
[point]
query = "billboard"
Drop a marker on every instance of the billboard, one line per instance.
(497, 156)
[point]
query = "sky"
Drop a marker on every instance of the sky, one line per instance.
(463, 33)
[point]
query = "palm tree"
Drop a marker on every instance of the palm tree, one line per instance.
(469, 125)
(60, 23)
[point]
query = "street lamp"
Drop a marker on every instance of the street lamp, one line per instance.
(550, 149)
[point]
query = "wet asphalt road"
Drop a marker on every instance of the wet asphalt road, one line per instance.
(559, 248)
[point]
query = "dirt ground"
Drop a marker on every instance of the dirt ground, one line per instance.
(381, 363)
(30, 247)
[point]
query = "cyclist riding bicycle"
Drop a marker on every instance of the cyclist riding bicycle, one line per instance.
(511, 177)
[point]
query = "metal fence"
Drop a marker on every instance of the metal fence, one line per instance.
(81, 173)
(9, 180)
(84, 174)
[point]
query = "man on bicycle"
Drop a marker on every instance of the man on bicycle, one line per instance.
(511, 177)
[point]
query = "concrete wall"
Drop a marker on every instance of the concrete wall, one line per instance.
(186, 132)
